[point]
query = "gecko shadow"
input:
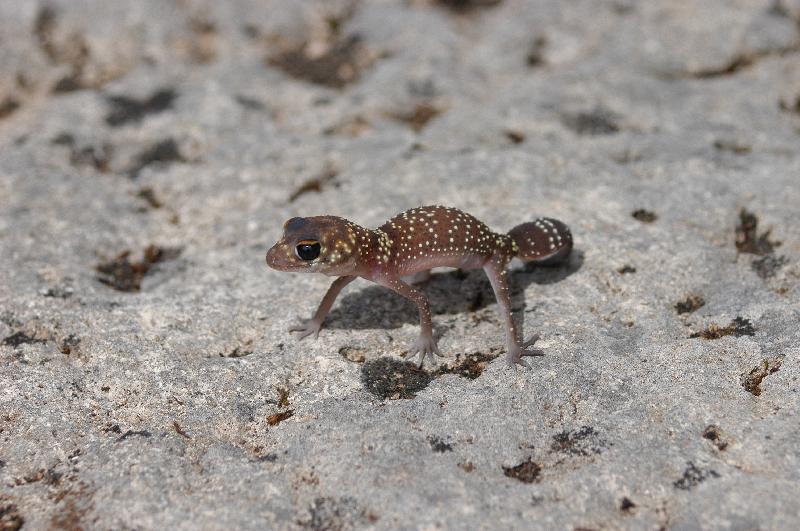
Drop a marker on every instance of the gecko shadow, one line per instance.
(452, 292)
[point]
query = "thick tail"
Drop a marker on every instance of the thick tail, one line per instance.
(542, 241)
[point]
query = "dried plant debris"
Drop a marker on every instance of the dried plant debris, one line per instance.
(123, 275)
(693, 476)
(737, 63)
(179, 430)
(71, 50)
(470, 367)
(134, 433)
(148, 195)
(691, 304)
(201, 45)
(599, 121)
(317, 183)
(283, 397)
(732, 146)
(516, 137)
(10, 517)
(356, 355)
(125, 110)
(418, 117)
(527, 471)
(390, 378)
(584, 441)
(69, 344)
(714, 434)
(747, 238)
(645, 216)
(352, 126)
(751, 381)
(340, 63)
(737, 328)
(277, 418)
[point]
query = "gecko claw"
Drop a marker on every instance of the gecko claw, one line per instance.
(305, 328)
(425, 347)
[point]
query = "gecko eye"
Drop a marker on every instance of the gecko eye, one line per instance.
(307, 249)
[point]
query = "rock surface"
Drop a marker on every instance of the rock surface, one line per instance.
(150, 153)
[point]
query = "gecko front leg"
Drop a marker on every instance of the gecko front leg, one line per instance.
(313, 325)
(425, 345)
(498, 276)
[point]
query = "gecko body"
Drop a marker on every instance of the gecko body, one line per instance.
(415, 241)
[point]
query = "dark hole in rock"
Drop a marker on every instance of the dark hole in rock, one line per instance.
(20, 338)
(535, 55)
(340, 65)
(596, 122)
(714, 434)
(439, 445)
(463, 6)
(645, 216)
(125, 109)
(693, 476)
(8, 106)
(163, 152)
(769, 265)
(626, 505)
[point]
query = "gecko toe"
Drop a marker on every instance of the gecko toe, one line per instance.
(305, 329)
(529, 343)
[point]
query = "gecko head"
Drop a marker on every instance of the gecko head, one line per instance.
(320, 244)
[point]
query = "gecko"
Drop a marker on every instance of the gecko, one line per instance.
(414, 242)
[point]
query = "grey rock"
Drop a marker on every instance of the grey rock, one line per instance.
(184, 403)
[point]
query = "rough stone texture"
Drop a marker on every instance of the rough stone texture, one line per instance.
(184, 133)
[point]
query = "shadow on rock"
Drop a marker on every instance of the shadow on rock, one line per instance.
(452, 292)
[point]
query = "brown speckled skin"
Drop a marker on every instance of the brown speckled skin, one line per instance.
(417, 240)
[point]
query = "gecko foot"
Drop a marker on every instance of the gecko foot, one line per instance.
(515, 353)
(424, 346)
(306, 327)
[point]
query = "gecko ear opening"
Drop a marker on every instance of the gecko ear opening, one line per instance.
(307, 249)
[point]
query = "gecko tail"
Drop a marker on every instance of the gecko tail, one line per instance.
(543, 241)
